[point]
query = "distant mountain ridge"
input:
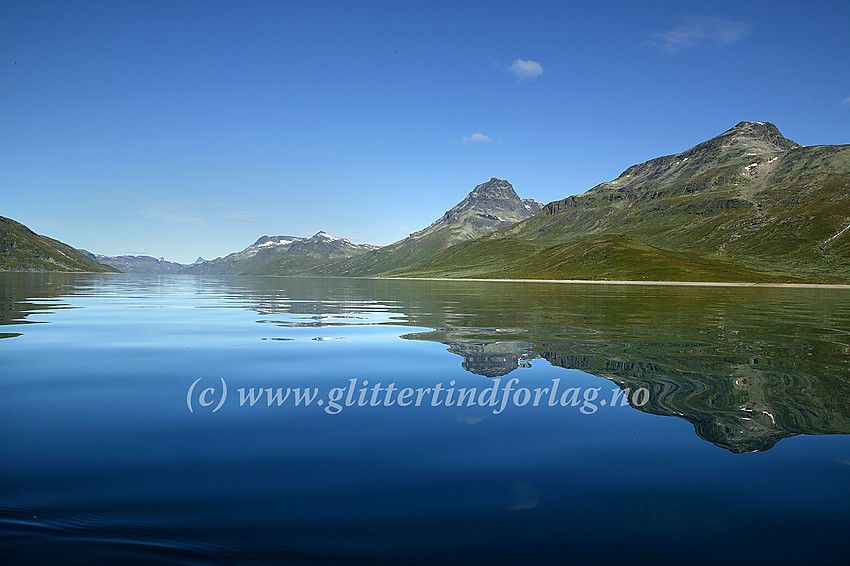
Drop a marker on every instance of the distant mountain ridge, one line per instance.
(271, 255)
(137, 263)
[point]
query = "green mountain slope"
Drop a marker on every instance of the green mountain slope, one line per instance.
(748, 205)
(21, 249)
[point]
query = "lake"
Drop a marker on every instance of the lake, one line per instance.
(184, 420)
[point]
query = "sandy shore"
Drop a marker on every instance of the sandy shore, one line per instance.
(611, 282)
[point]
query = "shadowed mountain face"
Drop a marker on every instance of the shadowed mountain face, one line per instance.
(488, 207)
(747, 205)
(21, 249)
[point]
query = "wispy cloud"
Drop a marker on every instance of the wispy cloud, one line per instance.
(477, 137)
(846, 101)
(167, 213)
(242, 215)
(525, 69)
(697, 32)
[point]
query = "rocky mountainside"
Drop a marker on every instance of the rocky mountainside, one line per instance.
(21, 249)
(137, 263)
(748, 205)
(488, 207)
(282, 255)
(683, 173)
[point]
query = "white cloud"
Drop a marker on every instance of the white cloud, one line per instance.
(477, 137)
(696, 32)
(525, 69)
(846, 101)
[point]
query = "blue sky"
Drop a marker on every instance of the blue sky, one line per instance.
(181, 129)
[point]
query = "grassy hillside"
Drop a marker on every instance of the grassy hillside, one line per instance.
(21, 249)
(602, 257)
(394, 258)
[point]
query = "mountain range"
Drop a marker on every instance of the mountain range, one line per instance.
(137, 263)
(748, 205)
(488, 207)
(282, 255)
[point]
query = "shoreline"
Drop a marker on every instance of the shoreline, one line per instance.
(479, 280)
(626, 282)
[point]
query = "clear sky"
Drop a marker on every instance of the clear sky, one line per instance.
(181, 129)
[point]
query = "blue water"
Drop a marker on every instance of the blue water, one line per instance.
(739, 452)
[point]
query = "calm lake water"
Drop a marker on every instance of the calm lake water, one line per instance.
(118, 444)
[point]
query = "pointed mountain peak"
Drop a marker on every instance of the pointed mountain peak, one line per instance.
(498, 195)
(495, 188)
(756, 136)
(496, 198)
(488, 207)
(749, 126)
(324, 236)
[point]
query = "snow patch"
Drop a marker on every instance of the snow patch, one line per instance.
(835, 236)
(325, 236)
(273, 243)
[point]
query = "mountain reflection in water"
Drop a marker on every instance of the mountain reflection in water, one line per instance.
(746, 366)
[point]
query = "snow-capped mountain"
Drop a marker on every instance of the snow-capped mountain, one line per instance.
(282, 255)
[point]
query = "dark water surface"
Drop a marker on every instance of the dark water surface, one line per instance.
(734, 448)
